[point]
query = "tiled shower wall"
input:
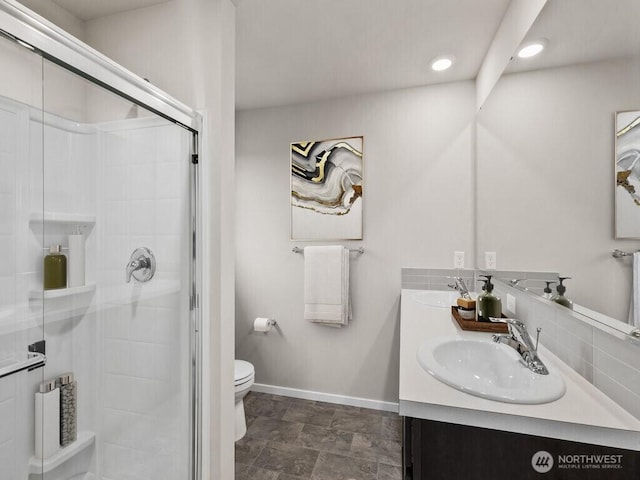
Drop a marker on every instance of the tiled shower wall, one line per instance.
(608, 359)
(23, 134)
(126, 344)
(15, 440)
(9, 187)
(144, 413)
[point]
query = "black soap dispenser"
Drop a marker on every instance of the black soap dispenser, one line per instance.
(559, 297)
(488, 304)
(480, 297)
(548, 294)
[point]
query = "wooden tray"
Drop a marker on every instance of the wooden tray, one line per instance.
(479, 326)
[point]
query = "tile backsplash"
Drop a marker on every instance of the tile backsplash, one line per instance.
(435, 278)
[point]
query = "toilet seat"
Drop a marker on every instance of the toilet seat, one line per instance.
(243, 378)
(243, 372)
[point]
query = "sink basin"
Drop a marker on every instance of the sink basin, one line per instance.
(489, 370)
(434, 298)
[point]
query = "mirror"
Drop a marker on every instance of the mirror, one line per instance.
(545, 153)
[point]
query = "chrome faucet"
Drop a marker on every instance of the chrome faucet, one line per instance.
(520, 340)
(515, 281)
(142, 265)
(460, 286)
(135, 265)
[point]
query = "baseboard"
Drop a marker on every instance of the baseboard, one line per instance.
(326, 397)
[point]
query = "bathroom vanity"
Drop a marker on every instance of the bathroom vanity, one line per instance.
(451, 434)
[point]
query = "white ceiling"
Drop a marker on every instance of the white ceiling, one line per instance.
(580, 31)
(291, 51)
(90, 9)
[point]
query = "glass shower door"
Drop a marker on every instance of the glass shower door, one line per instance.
(87, 175)
(117, 177)
(21, 231)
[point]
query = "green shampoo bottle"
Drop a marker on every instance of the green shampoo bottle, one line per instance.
(55, 269)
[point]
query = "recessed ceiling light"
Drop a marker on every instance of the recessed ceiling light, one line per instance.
(442, 62)
(532, 49)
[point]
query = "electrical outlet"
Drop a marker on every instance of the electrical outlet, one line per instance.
(458, 259)
(511, 304)
(490, 260)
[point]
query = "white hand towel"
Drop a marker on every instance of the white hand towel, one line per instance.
(634, 307)
(326, 285)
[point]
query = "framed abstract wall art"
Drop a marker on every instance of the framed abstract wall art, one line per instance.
(326, 189)
(627, 174)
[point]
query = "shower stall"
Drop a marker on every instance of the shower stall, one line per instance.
(99, 162)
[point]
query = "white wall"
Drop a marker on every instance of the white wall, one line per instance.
(58, 15)
(417, 211)
(186, 47)
(545, 177)
(64, 94)
(515, 24)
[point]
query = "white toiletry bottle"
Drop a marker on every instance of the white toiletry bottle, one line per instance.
(76, 261)
(47, 419)
(68, 409)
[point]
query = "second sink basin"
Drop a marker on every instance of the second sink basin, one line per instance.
(489, 370)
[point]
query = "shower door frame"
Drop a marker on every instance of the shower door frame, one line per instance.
(54, 44)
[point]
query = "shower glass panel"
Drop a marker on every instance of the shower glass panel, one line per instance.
(88, 170)
(21, 319)
(119, 175)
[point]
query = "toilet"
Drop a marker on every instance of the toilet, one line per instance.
(244, 375)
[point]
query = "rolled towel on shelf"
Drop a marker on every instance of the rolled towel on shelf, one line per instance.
(326, 285)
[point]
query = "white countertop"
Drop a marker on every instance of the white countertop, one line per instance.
(583, 414)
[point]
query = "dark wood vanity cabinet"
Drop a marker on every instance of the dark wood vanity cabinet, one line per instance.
(434, 450)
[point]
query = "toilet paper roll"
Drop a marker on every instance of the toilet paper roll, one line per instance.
(261, 324)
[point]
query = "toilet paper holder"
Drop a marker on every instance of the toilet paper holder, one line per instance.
(264, 324)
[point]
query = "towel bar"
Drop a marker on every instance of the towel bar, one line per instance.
(356, 250)
(619, 253)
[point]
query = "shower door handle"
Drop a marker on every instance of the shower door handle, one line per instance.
(142, 265)
(35, 359)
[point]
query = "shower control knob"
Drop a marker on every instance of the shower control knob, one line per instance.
(142, 265)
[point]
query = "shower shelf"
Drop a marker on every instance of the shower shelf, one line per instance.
(84, 441)
(62, 217)
(61, 292)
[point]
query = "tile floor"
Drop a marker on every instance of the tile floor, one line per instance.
(293, 439)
